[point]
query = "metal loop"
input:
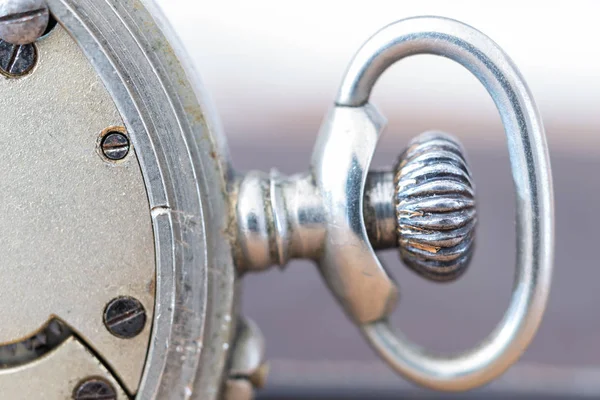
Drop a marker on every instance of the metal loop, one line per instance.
(532, 180)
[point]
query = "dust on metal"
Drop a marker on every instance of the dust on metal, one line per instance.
(125, 317)
(115, 145)
(23, 21)
(94, 389)
(17, 60)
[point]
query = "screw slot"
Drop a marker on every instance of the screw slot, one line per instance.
(125, 317)
(94, 389)
(114, 144)
(17, 60)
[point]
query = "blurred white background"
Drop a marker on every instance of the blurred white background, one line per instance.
(267, 62)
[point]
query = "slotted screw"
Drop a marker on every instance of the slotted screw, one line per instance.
(17, 60)
(125, 317)
(23, 21)
(94, 389)
(115, 145)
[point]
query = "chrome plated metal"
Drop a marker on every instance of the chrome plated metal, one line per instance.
(280, 218)
(23, 21)
(379, 210)
(347, 261)
(292, 225)
(114, 144)
(532, 179)
(254, 222)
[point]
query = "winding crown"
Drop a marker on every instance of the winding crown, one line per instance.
(435, 207)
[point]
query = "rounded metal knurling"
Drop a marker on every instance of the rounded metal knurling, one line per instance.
(435, 207)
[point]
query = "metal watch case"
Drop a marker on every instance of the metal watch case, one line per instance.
(126, 232)
(153, 226)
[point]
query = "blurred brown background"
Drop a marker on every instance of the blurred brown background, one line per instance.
(273, 69)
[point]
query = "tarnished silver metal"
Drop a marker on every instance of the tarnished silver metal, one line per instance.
(125, 317)
(435, 207)
(94, 389)
(185, 166)
(79, 232)
(192, 226)
(23, 21)
(114, 144)
(16, 60)
(182, 169)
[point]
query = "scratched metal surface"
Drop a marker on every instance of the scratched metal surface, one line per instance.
(72, 225)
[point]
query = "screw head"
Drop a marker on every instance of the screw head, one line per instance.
(94, 389)
(115, 145)
(16, 60)
(23, 21)
(125, 317)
